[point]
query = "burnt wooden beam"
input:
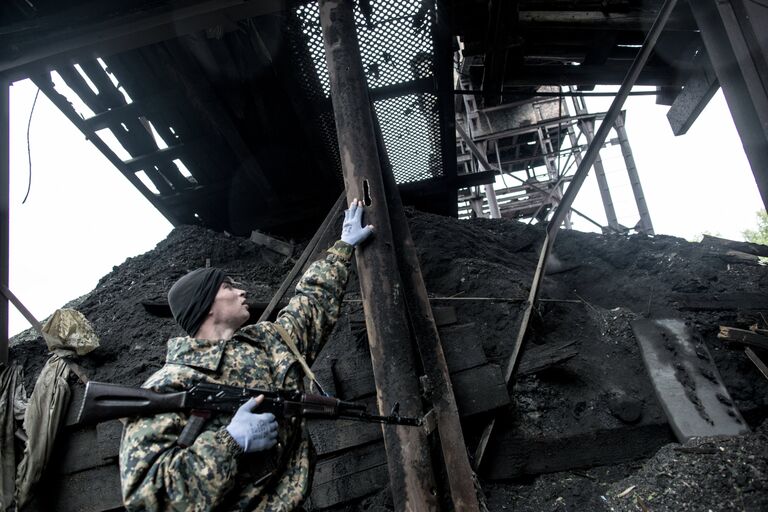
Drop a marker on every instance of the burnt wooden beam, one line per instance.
(37, 46)
(408, 457)
(5, 169)
(698, 89)
(433, 361)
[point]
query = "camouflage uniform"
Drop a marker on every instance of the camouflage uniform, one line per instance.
(212, 473)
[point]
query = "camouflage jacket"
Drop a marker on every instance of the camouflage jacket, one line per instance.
(212, 474)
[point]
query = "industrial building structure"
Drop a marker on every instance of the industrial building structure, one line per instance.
(229, 114)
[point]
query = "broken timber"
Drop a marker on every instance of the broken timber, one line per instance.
(408, 458)
(743, 336)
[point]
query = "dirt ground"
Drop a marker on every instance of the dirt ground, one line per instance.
(601, 284)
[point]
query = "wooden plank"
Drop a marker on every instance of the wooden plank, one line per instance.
(329, 436)
(729, 301)
(463, 347)
(757, 361)
(748, 247)
(479, 389)
(354, 375)
(686, 380)
(740, 258)
(351, 475)
(272, 244)
(511, 455)
(699, 88)
(76, 451)
(92, 490)
(108, 436)
(539, 357)
(743, 336)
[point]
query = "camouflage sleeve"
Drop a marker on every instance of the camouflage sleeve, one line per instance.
(158, 475)
(311, 314)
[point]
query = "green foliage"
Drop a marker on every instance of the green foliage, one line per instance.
(759, 235)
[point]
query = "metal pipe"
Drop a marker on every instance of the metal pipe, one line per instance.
(610, 118)
(409, 464)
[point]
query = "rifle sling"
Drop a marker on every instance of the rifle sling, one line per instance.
(300, 358)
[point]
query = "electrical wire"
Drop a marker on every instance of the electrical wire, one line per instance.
(29, 150)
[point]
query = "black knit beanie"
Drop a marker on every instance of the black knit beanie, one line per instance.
(191, 297)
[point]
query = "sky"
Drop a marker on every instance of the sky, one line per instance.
(82, 217)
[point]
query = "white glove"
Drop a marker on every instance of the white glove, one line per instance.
(352, 230)
(253, 432)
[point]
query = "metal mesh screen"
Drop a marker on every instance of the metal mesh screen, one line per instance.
(397, 49)
(410, 128)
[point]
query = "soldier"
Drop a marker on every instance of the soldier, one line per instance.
(250, 461)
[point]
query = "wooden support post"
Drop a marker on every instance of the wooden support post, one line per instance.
(408, 459)
(5, 155)
(440, 390)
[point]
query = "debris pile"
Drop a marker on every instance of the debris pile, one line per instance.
(580, 425)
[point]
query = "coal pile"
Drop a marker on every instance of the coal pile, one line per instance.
(578, 430)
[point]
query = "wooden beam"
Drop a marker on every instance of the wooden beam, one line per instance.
(408, 457)
(698, 89)
(454, 450)
(743, 336)
(31, 50)
(5, 162)
(758, 362)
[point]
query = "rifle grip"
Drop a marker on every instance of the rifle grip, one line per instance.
(192, 429)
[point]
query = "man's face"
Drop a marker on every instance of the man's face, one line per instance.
(229, 307)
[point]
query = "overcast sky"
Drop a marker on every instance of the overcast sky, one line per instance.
(82, 217)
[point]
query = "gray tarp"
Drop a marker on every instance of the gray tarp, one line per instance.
(12, 405)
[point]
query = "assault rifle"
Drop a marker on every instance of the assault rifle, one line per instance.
(104, 402)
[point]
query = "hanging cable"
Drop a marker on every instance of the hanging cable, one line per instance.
(29, 150)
